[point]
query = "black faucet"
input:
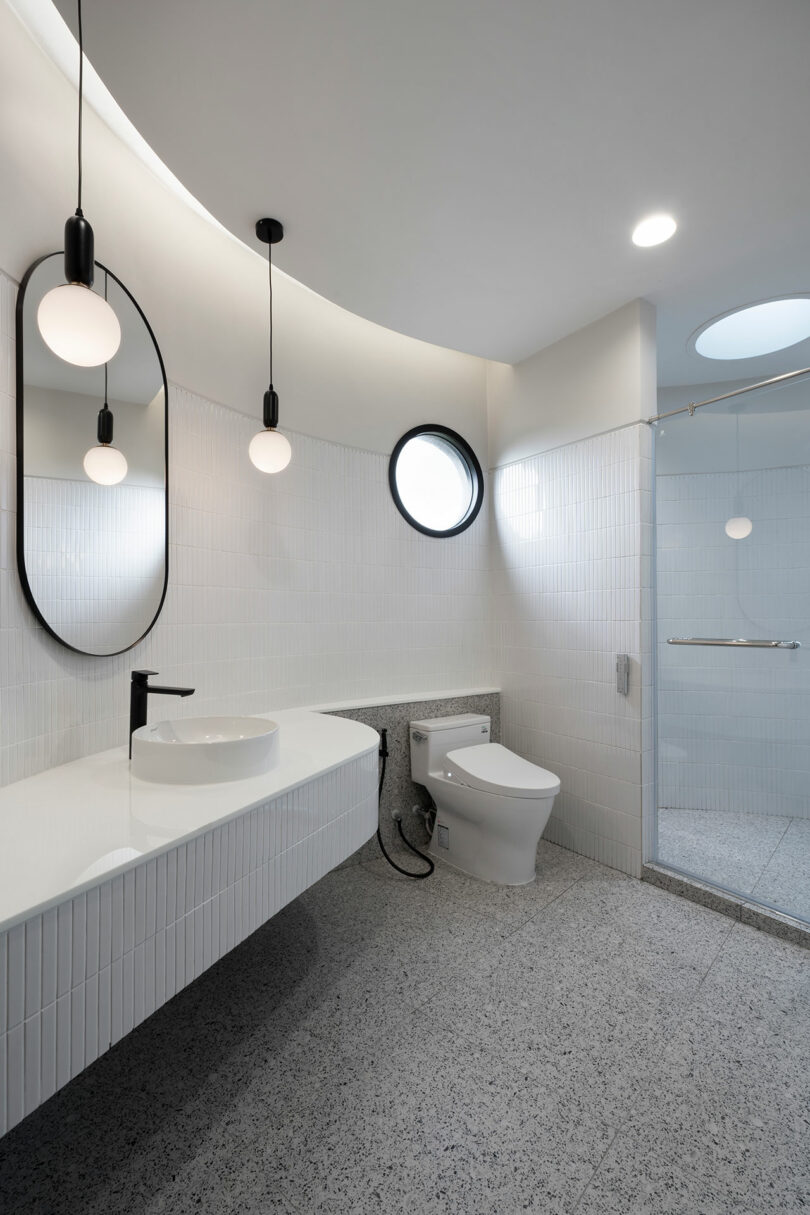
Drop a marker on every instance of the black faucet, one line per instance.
(139, 691)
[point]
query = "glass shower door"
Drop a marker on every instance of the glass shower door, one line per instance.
(732, 589)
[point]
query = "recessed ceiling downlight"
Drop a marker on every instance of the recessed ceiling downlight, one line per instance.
(654, 230)
(756, 329)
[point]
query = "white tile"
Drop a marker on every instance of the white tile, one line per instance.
(149, 1003)
(33, 1063)
(77, 1029)
(105, 925)
(15, 1075)
(16, 975)
(79, 940)
(91, 1037)
(117, 931)
(63, 1040)
(3, 1086)
(33, 965)
(50, 956)
(116, 1001)
(93, 932)
(104, 1009)
(129, 911)
(128, 992)
(140, 904)
(3, 980)
(48, 1058)
(138, 984)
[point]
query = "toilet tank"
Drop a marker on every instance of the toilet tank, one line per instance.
(432, 738)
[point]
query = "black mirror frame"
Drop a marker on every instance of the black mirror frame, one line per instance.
(26, 586)
(470, 459)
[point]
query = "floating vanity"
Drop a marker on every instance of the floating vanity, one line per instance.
(115, 892)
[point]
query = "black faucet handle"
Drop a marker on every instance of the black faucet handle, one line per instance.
(142, 676)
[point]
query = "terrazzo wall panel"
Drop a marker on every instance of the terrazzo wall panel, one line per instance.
(78, 977)
(399, 791)
(733, 724)
(570, 590)
(303, 588)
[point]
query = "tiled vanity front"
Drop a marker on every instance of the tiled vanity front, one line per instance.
(82, 971)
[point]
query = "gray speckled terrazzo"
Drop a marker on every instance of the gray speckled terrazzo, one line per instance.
(586, 1044)
(399, 791)
(766, 857)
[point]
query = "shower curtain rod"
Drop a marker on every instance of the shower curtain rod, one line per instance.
(690, 409)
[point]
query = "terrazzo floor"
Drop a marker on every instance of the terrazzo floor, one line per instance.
(767, 856)
(588, 1044)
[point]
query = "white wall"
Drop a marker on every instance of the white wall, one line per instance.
(572, 543)
(597, 379)
(309, 587)
(61, 426)
(304, 588)
(338, 376)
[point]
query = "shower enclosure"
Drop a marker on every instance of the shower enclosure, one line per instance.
(732, 619)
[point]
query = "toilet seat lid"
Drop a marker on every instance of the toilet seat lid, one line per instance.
(496, 769)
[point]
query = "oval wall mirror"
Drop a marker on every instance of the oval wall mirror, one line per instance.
(92, 555)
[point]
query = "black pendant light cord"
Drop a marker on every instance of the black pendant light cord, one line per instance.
(270, 284)
(81, 105)
(106, 365)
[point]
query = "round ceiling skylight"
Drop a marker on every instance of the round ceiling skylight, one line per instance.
(755, 329)
(654, 230)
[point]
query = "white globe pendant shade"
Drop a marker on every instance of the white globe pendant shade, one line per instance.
(739, 527)
(105, 465)
(270, 451)
(78, 325)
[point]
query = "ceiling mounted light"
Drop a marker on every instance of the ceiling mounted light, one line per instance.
(754, 330)
(654, 230)
(76, 324)
(269, 450)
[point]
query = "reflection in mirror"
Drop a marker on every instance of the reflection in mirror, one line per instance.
(92, 556)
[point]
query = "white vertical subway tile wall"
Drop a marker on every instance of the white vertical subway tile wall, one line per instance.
(304, 588)
(101, 600)
(571, 546)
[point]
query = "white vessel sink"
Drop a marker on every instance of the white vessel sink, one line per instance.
(203, 750)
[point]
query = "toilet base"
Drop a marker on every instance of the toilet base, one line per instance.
(440, 855)
(498, 844)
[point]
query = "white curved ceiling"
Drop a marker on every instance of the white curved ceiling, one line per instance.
(468, 171)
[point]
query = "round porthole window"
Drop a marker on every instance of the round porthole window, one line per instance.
(436, 480)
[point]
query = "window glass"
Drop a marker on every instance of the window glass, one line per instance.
(436, 480)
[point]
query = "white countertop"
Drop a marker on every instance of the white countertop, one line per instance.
(64, 829)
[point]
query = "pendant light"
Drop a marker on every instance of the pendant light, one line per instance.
(269, 450)
(76, 323)
(105, 464)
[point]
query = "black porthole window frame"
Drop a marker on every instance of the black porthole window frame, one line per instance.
(463, 449)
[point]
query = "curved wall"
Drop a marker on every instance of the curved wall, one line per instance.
(339, 377)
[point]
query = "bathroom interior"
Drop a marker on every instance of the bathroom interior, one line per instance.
(404, 608)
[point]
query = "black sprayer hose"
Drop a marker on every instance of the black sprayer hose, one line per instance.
(407, 843)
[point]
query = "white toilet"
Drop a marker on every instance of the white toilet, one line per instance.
(492, 806)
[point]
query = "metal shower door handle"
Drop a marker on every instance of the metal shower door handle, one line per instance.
(735, 641)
